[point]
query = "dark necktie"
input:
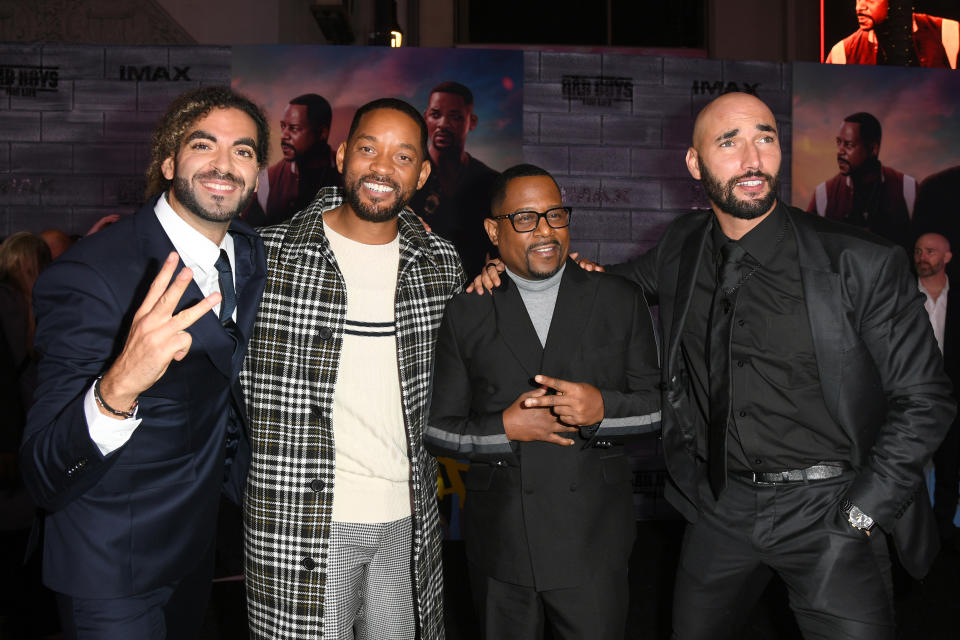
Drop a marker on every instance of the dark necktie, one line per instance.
(229, 295)
(227, 304)
(729, 279)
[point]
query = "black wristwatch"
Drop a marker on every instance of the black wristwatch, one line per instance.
(857, 518)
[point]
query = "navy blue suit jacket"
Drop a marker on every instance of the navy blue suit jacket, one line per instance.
(145, 514)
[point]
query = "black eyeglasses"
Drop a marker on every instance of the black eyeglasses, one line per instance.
(526, 221)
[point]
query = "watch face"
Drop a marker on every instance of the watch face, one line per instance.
(859, 519)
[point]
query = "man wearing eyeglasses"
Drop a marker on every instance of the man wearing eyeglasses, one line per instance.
(549, 514)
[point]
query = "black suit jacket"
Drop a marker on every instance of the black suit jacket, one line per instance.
(951, 335)
(540, 514)
(880, 369)
(145, 514)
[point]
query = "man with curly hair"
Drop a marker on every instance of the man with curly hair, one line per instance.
(139, 420)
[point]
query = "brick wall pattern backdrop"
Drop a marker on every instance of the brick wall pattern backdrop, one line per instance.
(75, 126)
(614, 130)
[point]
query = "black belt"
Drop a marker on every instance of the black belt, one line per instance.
(822, 471)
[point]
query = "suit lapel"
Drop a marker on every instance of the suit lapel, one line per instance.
(515, 327)
(821, 290)
(209, 338)
(688, 265)
(570, 315)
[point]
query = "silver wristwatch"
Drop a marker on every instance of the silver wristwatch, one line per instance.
(857, 519)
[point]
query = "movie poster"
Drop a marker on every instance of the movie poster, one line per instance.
(472, 102)
(918, 33)
(876, 147)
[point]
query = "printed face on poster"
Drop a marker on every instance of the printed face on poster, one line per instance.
(918, 33)
(871, 147)
(475, 122)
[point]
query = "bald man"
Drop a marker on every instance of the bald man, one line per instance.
(803, 394)
(931, 254)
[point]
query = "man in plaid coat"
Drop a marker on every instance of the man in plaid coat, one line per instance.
(341, 523)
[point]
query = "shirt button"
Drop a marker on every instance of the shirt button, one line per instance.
(743, 414)
(308, 563)
(325, 333)
(317, 485)
(739, 363)
(758, 461)
(740, 323)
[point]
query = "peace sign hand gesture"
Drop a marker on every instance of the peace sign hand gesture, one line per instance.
(157, 337)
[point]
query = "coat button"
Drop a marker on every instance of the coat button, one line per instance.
(501, 463)
(308, 563)
(317, 485)
(573, 486)
(528, 491)
(325, 333)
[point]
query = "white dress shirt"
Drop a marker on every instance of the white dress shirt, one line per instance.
(200, 254)
(937, 311)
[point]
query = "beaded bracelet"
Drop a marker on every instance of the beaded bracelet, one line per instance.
(103, 403)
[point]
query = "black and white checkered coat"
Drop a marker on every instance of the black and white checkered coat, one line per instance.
(289, 377)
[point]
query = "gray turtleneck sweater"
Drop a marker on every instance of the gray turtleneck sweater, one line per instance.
(539, 297)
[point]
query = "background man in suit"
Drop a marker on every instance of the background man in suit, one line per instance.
(342, 534)
(550, 519)
(803, 393)
(138, 420)
(931, 255)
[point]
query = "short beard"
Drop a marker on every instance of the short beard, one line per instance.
(187, 197)
(543, 275)
(722, 195)
(928, 270)
(373, 213)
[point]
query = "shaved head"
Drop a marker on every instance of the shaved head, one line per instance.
(931, 254)
(725, 106)
(736, 156)
(936, 240)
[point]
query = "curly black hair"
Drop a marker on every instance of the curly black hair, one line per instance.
(183, 112)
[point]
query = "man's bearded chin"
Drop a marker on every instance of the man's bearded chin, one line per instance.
(373, 213)
(186, 195)
(723, 195)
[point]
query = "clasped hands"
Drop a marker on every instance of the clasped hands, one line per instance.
(539, 415)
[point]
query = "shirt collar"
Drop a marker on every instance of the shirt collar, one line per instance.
(195, 249)
(943, 292)
(761, 241)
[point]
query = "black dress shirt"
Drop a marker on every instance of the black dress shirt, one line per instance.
(779, 419)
